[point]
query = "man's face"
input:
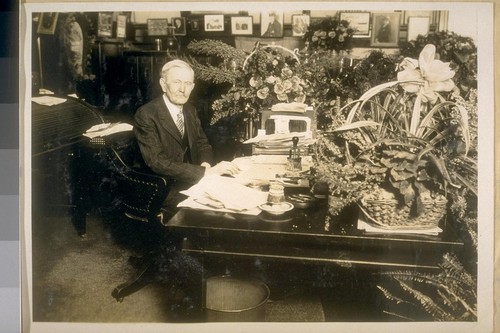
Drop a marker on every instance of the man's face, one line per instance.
(177, 85)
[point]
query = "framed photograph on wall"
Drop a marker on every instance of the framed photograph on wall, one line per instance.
(214, 22)
(157, 27)
(418, 25)
(385, 29)
(271, 24)
(242, 25)
(105, 24)
(359, 21)
(300, 24)
(121, 26)
(195, 24)
(47, 23)
(179, 24)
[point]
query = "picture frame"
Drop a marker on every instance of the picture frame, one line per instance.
(359, 22)
(385, 31)
(105, 24)
(242, 25)
(300, 24)
(157, 27)
(121, 26)
(47, 23)
(271, 24)
(195, 24)
(417, 25)
(179, 24)
(213, 22)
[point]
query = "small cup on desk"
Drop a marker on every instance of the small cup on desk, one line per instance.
(276, 194)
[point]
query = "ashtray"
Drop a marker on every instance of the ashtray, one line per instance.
(302, 200)
(276, 209)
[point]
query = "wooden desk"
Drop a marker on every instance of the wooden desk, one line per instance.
(307, 236)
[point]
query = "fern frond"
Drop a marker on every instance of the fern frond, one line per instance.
(391, 297)
(427, 303)
(211, 73)
(211, 47)
(398, 315)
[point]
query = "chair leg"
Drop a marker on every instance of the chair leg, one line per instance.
(146, 276)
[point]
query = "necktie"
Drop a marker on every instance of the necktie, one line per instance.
(180, 122)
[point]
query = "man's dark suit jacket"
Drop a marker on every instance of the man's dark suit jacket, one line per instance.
(161, 143)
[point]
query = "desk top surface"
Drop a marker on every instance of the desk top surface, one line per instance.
(314, 222)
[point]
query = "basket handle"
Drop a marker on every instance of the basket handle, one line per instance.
(293, 53)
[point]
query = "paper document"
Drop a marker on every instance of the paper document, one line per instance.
(373, 228)
(105, 129)
(48, 100)
(229, 192)
(290, 107)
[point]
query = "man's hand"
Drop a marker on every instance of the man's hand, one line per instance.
(223, 168)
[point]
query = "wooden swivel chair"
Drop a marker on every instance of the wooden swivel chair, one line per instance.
(138, 194)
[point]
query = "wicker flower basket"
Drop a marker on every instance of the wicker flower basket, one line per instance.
(382, 208)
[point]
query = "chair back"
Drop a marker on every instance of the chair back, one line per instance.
(140, 191)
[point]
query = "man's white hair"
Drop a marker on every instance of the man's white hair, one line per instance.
(177, 63)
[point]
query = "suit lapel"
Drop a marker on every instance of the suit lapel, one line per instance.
(167, 121)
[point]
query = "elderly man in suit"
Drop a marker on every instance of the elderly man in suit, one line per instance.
(170, 135)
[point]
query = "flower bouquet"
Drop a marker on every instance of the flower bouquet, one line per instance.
(329, 34)
(407, 138)
(268, 76)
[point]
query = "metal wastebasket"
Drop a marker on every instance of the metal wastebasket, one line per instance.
(231, 299)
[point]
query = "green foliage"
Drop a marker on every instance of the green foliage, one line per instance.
(450, 295)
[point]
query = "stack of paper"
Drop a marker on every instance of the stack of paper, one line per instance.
(105, 129)
(290, 107)
(224, 194)
(48, 100)
(374, 228)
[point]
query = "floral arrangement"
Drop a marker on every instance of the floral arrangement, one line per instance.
(267, 77)
(459, 51)
(408, 132)
(329, 34)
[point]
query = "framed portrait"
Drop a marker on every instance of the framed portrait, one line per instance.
(271, 24)
(418, 26)
(47, 23)
(195, 24)
(359, 21)
(385, 29)
(105, 25)
(214, 22)
(121, 26)
(300, 24)
(179, 24)
(157, 27)
(242, 25)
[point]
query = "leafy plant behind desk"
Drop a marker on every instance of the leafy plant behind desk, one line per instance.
(414, 131)
(450, 295)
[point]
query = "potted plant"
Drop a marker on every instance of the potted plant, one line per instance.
(395, 151)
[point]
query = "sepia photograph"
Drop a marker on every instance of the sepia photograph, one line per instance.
(214, 22)
(242, 25)
(271, 24)
(418, 26)
(359, 21)
(300, 23)
(385, 29)
(47, 23)
(179, 24)
(230, 181)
